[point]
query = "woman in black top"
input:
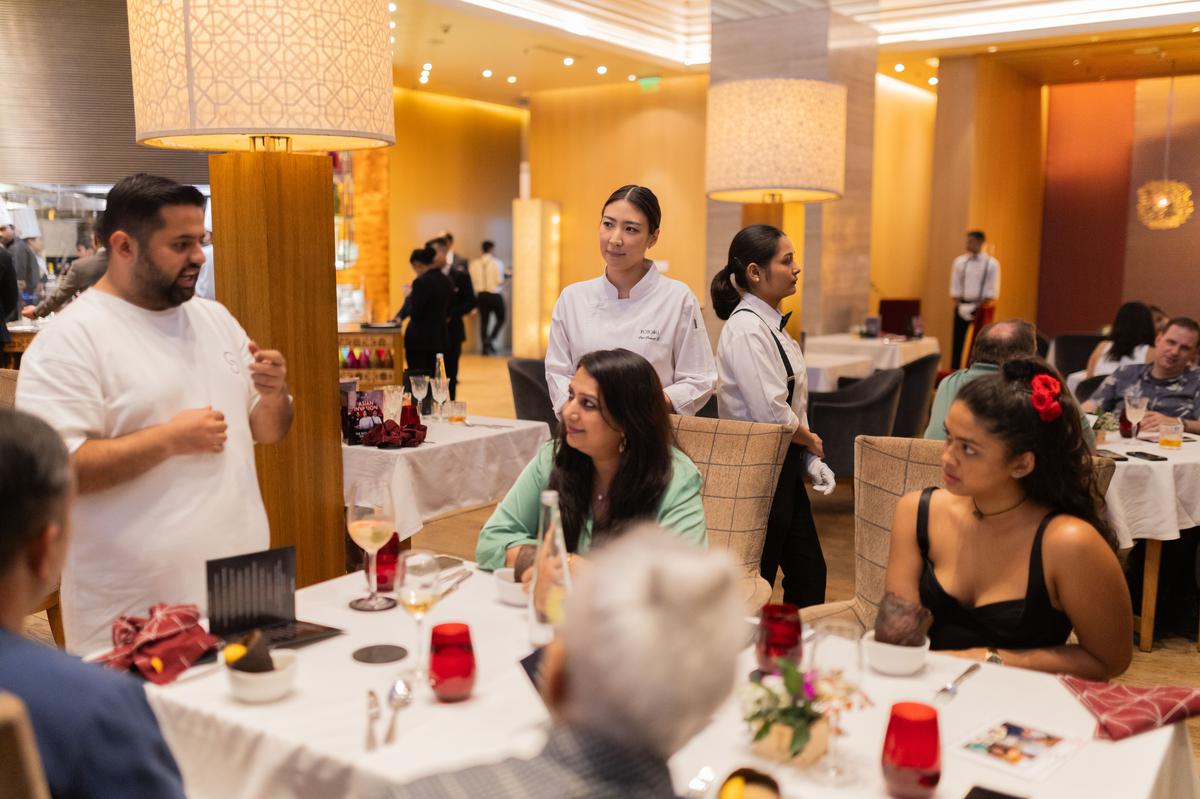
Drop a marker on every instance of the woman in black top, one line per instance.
(1013, 554)
(426, 308)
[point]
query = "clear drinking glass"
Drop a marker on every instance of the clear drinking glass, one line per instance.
(1136, 404)
(837, 661)
(1170, 436)
(420, 388)
(371, 523)
(457, 411)
(441, 392)
(416, 581)
(551, 578)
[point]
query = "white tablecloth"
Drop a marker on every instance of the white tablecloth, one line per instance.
(457, 467)
(312, 743)
(1153, 499)
(824, 369)
(883, 353)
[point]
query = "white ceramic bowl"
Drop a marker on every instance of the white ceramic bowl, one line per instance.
(265, 686)
(893, 659)
(510, 592)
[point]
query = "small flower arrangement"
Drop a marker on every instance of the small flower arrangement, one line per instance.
(1106, 422)
(787, 700)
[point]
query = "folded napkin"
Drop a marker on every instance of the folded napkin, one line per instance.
(1123, 710)
(160, 646)
(391, 435)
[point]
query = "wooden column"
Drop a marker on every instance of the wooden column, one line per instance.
(273, 247)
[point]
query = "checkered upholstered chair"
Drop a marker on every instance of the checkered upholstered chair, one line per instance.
(740, 463)
(8, 388)
(886, 469)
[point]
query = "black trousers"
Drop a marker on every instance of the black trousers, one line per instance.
(960, 338)
(491, 317)
(452, 355)
(792, 541)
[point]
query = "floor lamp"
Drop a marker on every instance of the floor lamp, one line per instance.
(274, 86)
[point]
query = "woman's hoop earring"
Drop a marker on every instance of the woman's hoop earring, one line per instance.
(621, 446)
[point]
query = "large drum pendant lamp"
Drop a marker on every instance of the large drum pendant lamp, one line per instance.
(776, 141)
(304, 75)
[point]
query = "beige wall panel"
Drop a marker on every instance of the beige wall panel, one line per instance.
(454, 166)
(584, 143)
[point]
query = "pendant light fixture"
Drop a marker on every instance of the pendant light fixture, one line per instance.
(1165, 204)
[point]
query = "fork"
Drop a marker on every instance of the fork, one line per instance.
(950, 689)
(373, 713)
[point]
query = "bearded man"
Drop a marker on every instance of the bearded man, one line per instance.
(160, 398)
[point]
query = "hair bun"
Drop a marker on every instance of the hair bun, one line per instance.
(1019, 369)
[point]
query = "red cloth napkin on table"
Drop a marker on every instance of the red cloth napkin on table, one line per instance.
(1123, 710)
(391, 435)
(160, 646)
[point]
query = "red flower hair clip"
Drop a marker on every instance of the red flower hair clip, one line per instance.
(1045, 397)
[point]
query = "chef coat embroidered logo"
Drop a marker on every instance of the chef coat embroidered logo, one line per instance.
(232, 360)
(649, 334)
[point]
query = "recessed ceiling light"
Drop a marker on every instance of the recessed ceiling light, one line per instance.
(600, 70)
(511, 79)
(487, 73)
(1075, 62)
(632, 77)
(1196, 29)
(427, 67)
(932, 62)
(392, 24)
(423, 79)
(393, 38)
(568, 61)
(392, 7)
(993, 49)
(899, 67)
(933, 81)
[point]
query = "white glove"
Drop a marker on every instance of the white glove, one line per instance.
(822, 476)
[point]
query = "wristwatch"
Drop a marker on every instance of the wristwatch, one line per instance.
(994, 657)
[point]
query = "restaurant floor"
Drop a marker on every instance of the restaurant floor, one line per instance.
(484, 386)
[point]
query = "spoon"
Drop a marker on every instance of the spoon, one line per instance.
(400, 695)
(950, 689)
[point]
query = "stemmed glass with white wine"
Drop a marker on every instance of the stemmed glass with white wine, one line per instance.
(1136, 404)
(441, 392)
(417, 587)
(420, 388)
(371, 522)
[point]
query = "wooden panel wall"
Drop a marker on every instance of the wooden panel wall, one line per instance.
(1089, 135)
(900, 193)
(275, 275)
(455, 166)
(584, 143)
(1160, 265)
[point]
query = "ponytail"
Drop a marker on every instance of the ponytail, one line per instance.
(755, 244)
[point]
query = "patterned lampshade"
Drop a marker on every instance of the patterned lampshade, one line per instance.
(776, 140)
(210, 75)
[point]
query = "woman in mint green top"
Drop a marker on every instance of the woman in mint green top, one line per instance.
(612, 463)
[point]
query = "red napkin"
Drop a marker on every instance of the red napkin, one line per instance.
(160, 646)
(1123, 710)
(390, 435)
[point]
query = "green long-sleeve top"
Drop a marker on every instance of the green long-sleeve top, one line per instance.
(515, 520)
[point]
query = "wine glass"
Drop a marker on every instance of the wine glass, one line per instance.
(420, 388)
(371, 523)
(416, 580)
(1136, 404)
(441, 392)
(837, 661)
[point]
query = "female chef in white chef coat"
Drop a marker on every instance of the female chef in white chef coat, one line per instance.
(761, 378)
(633, 306)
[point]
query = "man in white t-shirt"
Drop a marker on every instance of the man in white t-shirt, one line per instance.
(487, 275)
(160, 398)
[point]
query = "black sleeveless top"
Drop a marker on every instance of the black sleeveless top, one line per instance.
(1028, 623)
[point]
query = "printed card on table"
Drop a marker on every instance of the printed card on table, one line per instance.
(1018, 749)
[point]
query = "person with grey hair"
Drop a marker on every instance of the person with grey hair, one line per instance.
(647, 653)
(994, 345)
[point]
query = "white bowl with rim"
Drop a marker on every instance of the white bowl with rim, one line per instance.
(894, 659)
(256, 687)
(508, 589)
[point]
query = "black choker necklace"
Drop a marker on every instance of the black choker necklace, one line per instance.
(981, 515)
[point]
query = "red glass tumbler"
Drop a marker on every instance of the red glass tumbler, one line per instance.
(409, 416)
(451, 662)
(912, 759)
(385, 564)
(779, 633)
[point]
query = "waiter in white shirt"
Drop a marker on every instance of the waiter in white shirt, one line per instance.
(762, 378)
(487, 275)
(633, 306)
(974, 281)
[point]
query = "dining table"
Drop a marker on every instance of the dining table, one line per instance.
(1152, 501)
(458, 467)
(313, 742)
(884, 352)
(824, 369)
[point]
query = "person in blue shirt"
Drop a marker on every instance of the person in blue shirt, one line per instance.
(95, 731)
